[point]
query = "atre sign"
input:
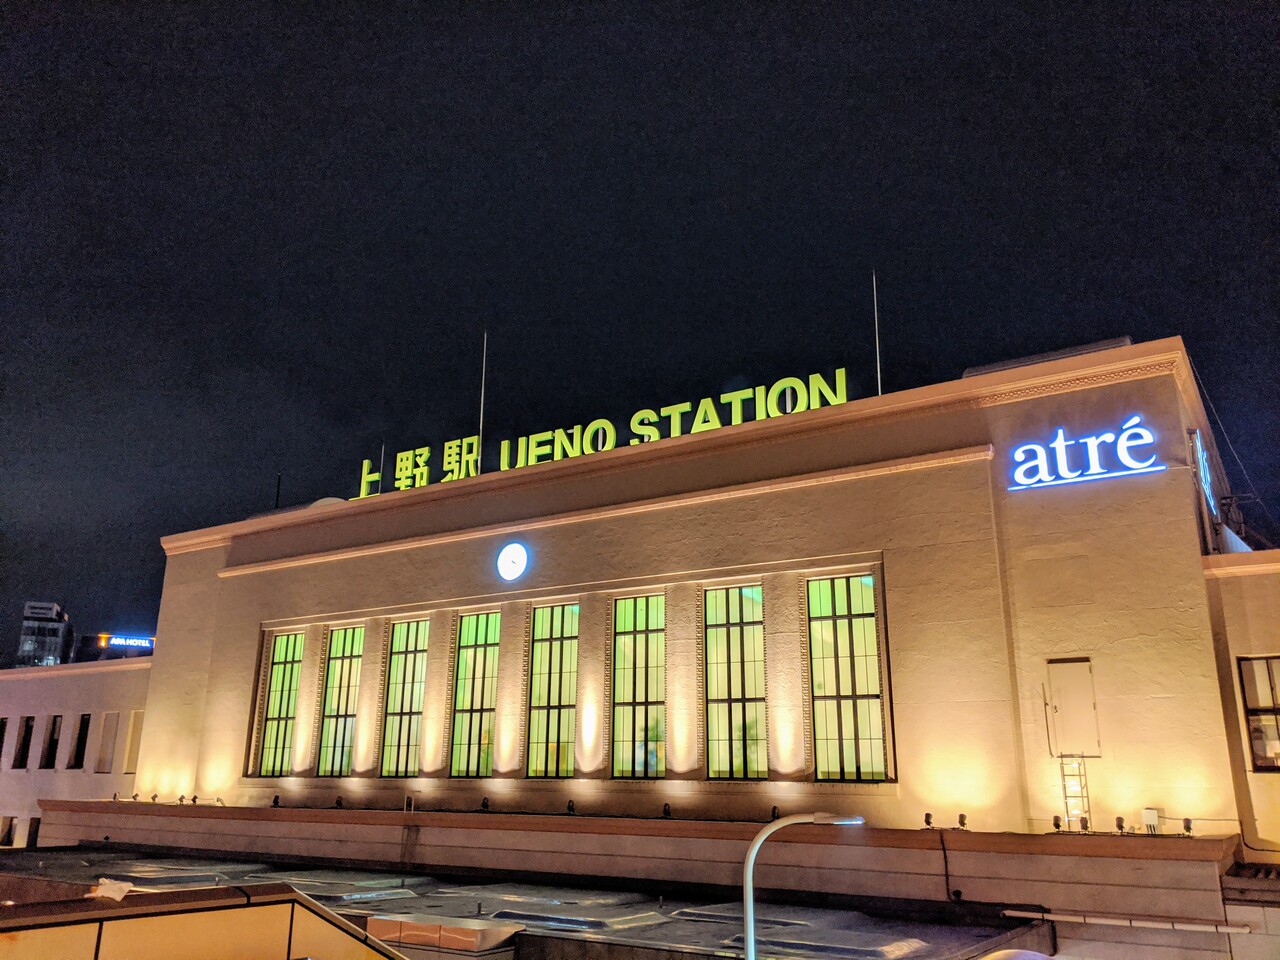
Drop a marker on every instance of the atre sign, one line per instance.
(1102, 456)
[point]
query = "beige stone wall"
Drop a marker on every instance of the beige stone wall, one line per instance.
(189, 628)
(981, 587)
(1111, 571)
(68, 690)
(717, 541)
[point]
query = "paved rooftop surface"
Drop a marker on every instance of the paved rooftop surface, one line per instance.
(607, 916)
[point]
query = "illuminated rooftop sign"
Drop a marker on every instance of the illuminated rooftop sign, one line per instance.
(126, 643)
(1099, 457)
(460, 458)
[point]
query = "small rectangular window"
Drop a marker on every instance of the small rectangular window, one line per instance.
(22, 750)
(406, 686)
(639, 687)
(1259, 678)
(52, 737)
(737, 732)
(134, 742)
(107, 742)
(847, 675)
(76, 760)
(553, 690)
(281, 704)
(341, 692)
(4, 727)
(475, 695)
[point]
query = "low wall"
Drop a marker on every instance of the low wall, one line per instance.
(240, 923)
(1168, 877)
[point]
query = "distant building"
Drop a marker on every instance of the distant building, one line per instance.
(47, 636)
(72, 731)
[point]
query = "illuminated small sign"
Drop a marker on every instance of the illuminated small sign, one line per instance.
(460, 458)
(1098, 457)
(126, 643)
(512, 561)
(1206, 475)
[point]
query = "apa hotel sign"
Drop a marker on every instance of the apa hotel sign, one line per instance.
(1127, 451)
(460, 458)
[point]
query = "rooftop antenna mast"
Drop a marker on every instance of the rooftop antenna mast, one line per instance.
(484, 369)
(875, 308)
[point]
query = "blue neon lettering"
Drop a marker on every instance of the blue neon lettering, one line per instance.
(1059, 444)
(1039, 463)
(1134, 436)
(1091, 446)
(116, 641)
(1037, 468)
(1206, 475)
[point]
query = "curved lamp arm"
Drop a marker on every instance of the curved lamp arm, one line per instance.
(749, 866)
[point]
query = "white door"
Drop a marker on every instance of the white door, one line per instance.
(1072, 708)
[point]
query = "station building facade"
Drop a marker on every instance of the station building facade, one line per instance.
(1010, 598)
(984, 597)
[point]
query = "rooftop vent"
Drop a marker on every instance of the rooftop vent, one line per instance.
(1052, 355)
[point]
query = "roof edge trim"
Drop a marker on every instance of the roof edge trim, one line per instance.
(1256, 563)
(1139, 362)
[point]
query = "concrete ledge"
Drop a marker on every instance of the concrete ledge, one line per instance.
(1219, 850)
(1069, 875)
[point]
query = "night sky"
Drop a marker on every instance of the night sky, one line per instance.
(236, 241)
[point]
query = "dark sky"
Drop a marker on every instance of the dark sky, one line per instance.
(236, 241)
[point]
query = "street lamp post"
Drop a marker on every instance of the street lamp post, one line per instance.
(749, 866)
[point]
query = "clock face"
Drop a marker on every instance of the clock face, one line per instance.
(512, 560)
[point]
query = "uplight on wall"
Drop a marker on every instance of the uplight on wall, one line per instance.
(590, 755)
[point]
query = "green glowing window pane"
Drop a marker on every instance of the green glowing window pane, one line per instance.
(716, 604)
(846, 668)
(281, 701)
(341, 690)
(475, 695)
(639, 711)
(737, 734)
(406, 687)
(553, 685)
